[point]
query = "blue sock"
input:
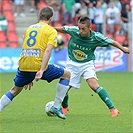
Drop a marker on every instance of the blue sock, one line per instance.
(9, 95)
(64, 82)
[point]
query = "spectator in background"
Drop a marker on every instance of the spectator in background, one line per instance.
(118, 4)
(94, 2)
(107, 1)
(131, 3)
(55, 5)
(19, 5)
(76, 7)
(113, 17)
(67, 8)
(98, 14)
(124, 17)
(32, 9)
(91, 10)
(0, 7)
(125, 20)
(3, 23)
(87, 2)
(75, 10)
(33, 5)
(124, 2)
(82, 11)
(104, 4)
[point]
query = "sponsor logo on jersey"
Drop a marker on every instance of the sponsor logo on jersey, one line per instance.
(80, 47)
(31, 52)
(79, 55)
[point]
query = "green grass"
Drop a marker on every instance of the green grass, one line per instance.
(88, 114)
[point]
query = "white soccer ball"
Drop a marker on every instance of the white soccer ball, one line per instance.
(48, 107)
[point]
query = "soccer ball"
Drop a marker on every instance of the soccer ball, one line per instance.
(48, 107)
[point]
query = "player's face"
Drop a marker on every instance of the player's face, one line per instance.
(84, 30)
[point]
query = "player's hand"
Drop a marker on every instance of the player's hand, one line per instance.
(28, 86)
(38, 75)
(126, 50)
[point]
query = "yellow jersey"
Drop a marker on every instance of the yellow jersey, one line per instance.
(36, 39)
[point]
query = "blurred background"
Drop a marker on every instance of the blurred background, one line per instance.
(113, 18)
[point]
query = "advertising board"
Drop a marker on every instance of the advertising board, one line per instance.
(106, 60)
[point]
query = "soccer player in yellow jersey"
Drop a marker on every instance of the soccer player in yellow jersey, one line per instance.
(39, 40)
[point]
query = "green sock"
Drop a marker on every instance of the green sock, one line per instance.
(105, 97)
(65, 101)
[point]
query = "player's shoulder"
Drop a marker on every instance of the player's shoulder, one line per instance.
(50, 29)
(98, 34)
(36, 25)
(70, 28)
(43, 26)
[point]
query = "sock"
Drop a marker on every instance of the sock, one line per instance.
(6, 100)
(105, 97)
(62, 89)
(65, 101)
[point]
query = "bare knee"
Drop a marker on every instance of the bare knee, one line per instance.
(66, 75)
(93, 84)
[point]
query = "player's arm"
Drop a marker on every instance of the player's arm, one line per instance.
(45, 60)
(60, 29)
(119, 46)
(46, 56)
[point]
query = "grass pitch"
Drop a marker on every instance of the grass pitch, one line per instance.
(88, 114)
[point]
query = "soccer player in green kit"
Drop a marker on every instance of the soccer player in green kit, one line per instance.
(81, 47)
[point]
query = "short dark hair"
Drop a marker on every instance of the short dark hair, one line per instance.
(85, 20)
(46, 13)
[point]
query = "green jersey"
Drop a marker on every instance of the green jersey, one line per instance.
(81, 49)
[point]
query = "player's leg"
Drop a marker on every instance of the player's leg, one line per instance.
(65, 107)
(75, 81)
(7, 98)
(92, 82)
(20, 80)
(65, 101)
(91, 78)
(54, 72)
(62, 88)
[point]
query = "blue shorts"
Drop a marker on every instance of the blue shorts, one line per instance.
(23, 78)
